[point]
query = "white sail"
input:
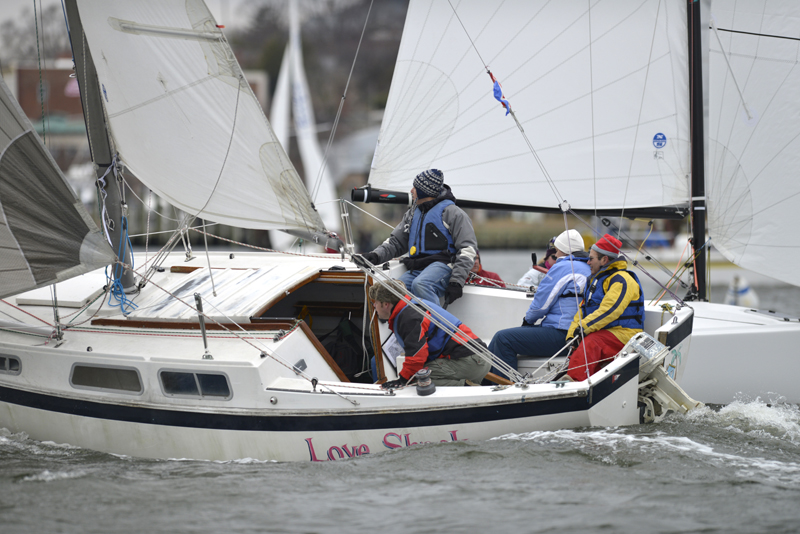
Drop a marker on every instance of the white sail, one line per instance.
(279, 116)
(601, 89)
(183, 118)
(281, 101)
(46, 235)
(754, 136)
(318, 177)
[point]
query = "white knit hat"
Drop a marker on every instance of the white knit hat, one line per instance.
(569, 241)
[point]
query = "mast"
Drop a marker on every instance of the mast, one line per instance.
(99, 144)
(697, 129)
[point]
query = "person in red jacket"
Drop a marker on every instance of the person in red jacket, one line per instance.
(482, 277)
(612, 311)
(425, 344)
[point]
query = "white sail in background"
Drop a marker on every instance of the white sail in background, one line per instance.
(601, 89)
(185, 121)
(318, 178)
(279, 115)
(46, 235)
(752, 182)
(292, 94)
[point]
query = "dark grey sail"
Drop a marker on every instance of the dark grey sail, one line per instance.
(46, 235)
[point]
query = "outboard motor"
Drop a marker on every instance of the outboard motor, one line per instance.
(658, 393)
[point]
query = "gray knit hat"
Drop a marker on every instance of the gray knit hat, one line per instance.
(429, 183)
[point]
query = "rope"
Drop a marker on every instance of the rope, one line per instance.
(26, 313)
(118, 298)
(492, 282)
(442, 322)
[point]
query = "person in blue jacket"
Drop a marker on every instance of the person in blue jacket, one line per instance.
(544, 329)
(438, 237)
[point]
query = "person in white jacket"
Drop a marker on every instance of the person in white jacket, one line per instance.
(544, 329)
(534, 276)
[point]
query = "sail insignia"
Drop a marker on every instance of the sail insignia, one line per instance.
(592, 84)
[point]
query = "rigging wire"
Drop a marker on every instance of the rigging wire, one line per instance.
(263, 349)
(639, 117)
(318, 181)
(442, 322)
(559, 199)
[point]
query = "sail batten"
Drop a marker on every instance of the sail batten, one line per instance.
(185, 122)
(601, 92)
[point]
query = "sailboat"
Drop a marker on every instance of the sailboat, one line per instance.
(219, 356)
(292, 94)
(611, 113)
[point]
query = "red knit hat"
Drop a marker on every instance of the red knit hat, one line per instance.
(608, 245)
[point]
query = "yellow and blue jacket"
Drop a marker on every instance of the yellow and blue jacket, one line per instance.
(613, 300)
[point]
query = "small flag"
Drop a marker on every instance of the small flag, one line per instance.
(498, 94)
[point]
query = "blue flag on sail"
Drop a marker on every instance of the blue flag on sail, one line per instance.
(498, 94)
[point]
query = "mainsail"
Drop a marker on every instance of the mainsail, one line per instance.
(754, 135)
(600, 88)
(46, 235)
(183, 118)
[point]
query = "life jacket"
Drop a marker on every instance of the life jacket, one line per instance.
(437, 337)
(428, 234)
(632, 317)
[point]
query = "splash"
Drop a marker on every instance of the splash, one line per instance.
(754, 418)
(50, 476)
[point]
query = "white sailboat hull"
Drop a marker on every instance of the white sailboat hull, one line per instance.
(269, 410)
(739, 352)
(241, 436)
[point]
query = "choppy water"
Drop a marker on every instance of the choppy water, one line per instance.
(731, 469)
(734, 468)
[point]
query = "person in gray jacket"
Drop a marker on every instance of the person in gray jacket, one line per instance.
(438, 237)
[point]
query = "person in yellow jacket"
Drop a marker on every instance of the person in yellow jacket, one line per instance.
(611, 313)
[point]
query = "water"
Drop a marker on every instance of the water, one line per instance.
(733, 468)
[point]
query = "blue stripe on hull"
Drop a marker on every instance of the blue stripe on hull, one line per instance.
(300, 423)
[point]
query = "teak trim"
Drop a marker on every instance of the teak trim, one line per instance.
(323, 352)
(185, 325)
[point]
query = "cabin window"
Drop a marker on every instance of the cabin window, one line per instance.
(107, 378)
(195, 384)
(9, 364)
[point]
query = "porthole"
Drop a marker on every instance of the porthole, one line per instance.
(10, 365)
(124, 379)
(195, 384)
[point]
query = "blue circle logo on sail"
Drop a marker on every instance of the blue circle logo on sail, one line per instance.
(659, 140)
